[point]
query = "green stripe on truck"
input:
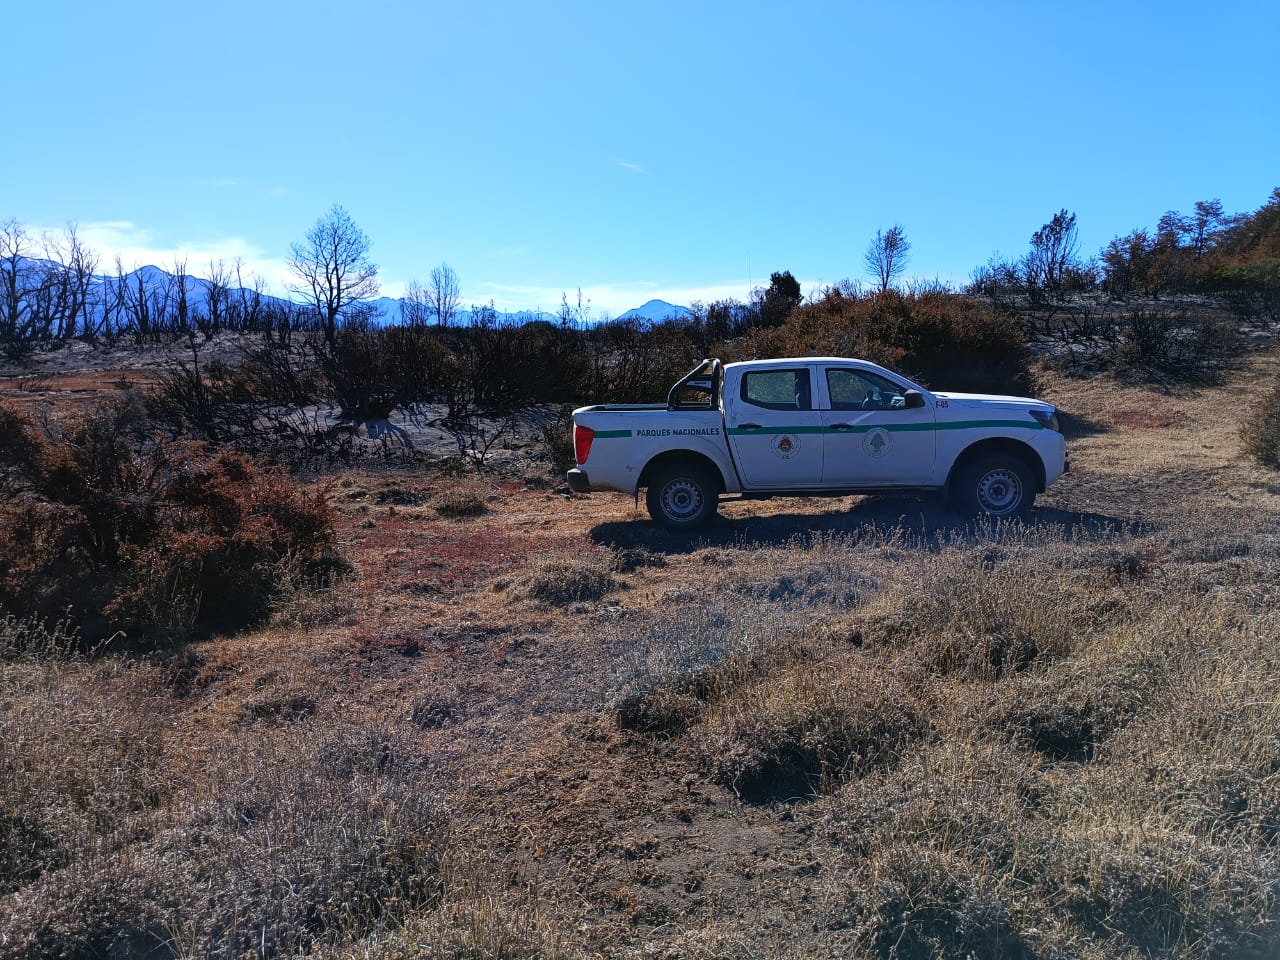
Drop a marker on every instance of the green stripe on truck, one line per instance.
(892, 427)
(857, 428)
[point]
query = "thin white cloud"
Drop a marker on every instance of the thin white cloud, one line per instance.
(136, 246)
(633, 167)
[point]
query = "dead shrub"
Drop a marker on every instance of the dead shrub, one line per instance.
(254, 406)
(922, 902)
(982, 620)
(32, 638)
(1159, 892)
(461, 498)
(274, 847)
(806, 729)
(1260, 432)
(555, 583)
(672, 667)
(138, 533)
(1066, 712)
(557, 434)
(1178, 346)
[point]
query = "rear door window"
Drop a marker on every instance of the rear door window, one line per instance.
(777, 389)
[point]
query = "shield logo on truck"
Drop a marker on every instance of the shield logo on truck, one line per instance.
(786, 446)
(877, 442)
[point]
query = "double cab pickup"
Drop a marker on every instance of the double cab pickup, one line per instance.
(816, 426)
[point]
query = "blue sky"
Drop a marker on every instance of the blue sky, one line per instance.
(680, 150)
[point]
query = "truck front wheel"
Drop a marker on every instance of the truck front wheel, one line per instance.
(682, 496)
(994, 486)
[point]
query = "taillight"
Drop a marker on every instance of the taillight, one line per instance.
(582, 437)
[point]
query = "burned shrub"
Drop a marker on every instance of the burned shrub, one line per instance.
(1175, 345)
(138, 533)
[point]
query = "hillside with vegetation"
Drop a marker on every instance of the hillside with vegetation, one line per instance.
(279, 679)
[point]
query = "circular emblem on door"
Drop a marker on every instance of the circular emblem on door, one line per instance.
(877, 442)
(786, 446)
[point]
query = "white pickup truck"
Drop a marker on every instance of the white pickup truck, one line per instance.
(816, 426)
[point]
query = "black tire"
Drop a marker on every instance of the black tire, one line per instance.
(997, 485)
(682, 496)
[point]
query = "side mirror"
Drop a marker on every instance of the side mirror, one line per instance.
(913, 398)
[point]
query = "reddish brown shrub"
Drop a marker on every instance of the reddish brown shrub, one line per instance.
(137, 533)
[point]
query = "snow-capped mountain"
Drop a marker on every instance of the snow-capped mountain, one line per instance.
(656, 310)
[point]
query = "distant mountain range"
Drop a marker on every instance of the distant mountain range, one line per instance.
(387, 310)
(155, 282)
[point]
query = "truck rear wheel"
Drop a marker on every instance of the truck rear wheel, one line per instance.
(682, 496)
(994, 486)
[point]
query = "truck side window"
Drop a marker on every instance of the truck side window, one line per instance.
(862, 390)
(777, 389)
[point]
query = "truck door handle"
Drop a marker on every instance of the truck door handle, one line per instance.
(842, 426)
(748, 426)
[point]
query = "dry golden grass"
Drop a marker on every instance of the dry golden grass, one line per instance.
(827, 728)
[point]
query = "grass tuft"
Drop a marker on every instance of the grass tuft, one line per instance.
(1260, 432)
(560, 583)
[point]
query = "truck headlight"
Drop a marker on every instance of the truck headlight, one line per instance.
(1047, 419)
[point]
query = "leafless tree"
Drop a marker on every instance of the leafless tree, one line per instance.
(179, 296)
(217, 297)
(81, 263)
(333, 268)
(887, 255)
(42, 297)
(249, 302)
(135, 303)
(415, 306)
(114, 303)
(15, 304)
(61, 287)
(443, 294)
